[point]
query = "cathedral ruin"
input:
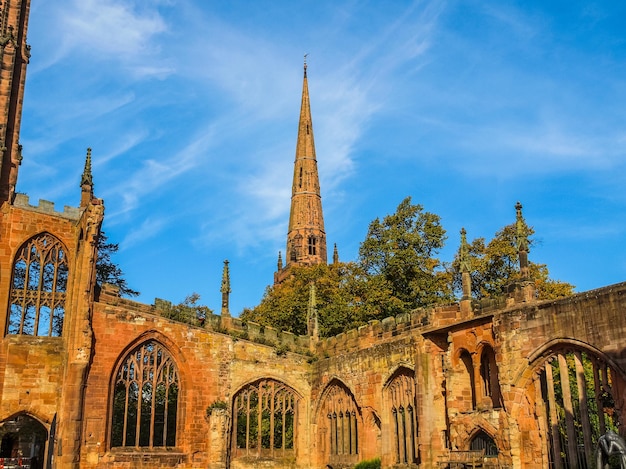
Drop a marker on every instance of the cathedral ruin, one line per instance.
(92, 380)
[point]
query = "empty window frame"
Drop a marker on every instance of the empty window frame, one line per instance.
(38, 288)
(264, 425)
(145, 398)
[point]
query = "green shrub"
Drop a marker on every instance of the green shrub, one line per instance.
(369, 464)
(219, 404)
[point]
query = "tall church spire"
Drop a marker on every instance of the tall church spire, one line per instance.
(306, 238)
(14, 55)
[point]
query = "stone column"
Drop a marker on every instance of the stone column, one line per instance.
(219, 438)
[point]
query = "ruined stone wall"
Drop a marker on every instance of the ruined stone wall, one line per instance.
(376, 353)
(31, 368)
(212, 366)
(593, 322)
(44, 376)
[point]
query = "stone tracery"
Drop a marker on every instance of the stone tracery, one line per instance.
(264, 419)
(38, 287)
(145, 398)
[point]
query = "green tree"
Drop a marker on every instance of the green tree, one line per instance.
(106, 270)
(285, 306)
(189, 311)
(496, 264)
(401, 250)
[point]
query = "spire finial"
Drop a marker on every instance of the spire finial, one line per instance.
(464, 262)
(521, 237)
(312, 318)
(87, 178)
(86, 182)
(305, 56)
(464, 267)
(225, 290)
(335, 255)
(520, 229)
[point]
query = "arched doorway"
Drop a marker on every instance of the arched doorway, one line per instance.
(579, 398)
(23, 439)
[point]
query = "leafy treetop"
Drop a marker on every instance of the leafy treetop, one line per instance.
(106, 270)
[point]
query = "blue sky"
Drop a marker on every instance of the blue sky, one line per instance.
(191, 108)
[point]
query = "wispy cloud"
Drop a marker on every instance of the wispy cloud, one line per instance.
(153, 175)
(114, 30)
(149, 228)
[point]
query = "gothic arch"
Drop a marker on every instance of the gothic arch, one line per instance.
(575, 394)
(550, 348)
(400, 366)
(40, 271)
(25, 435)
(171, 346)
(340, 424)
(489, 376)
(334, 381)
(146, 396)
(271, 376)
(465, 362)
(265, 415)
(476, 434)
(399, 397)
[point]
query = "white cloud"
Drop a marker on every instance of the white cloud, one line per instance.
(149, 228)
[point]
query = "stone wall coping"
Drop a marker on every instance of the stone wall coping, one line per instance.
(47, 207)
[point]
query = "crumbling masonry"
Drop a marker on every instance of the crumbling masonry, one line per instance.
(88, 379)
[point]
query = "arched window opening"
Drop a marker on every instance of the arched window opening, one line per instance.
(401, 398)
(312, 245)
(23, 442)
(38, 288)
(145, 399)
(489, 377)
(483, 441)
(264, 424)
(341, 431)
(300, 179)
(466, 359)
(579, 406)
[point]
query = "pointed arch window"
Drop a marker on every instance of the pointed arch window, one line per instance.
(483, 441)
(145, 398)
(468, 377)
(38, 288)
(341, 432)
(489, 377)
(401, 399)
(264, 425)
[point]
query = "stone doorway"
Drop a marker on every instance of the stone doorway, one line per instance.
(580, 396)
(24, 439)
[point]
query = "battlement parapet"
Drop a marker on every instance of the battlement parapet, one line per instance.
(364, 336)
(47, 207)
(238, 329)
(110, 295)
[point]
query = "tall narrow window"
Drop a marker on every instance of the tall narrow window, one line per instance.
(489, 377)
(312, 245)
(265, 415)
(145, 399)
(38, 288)
(469, 382)
(342, 424)
(401, 398)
